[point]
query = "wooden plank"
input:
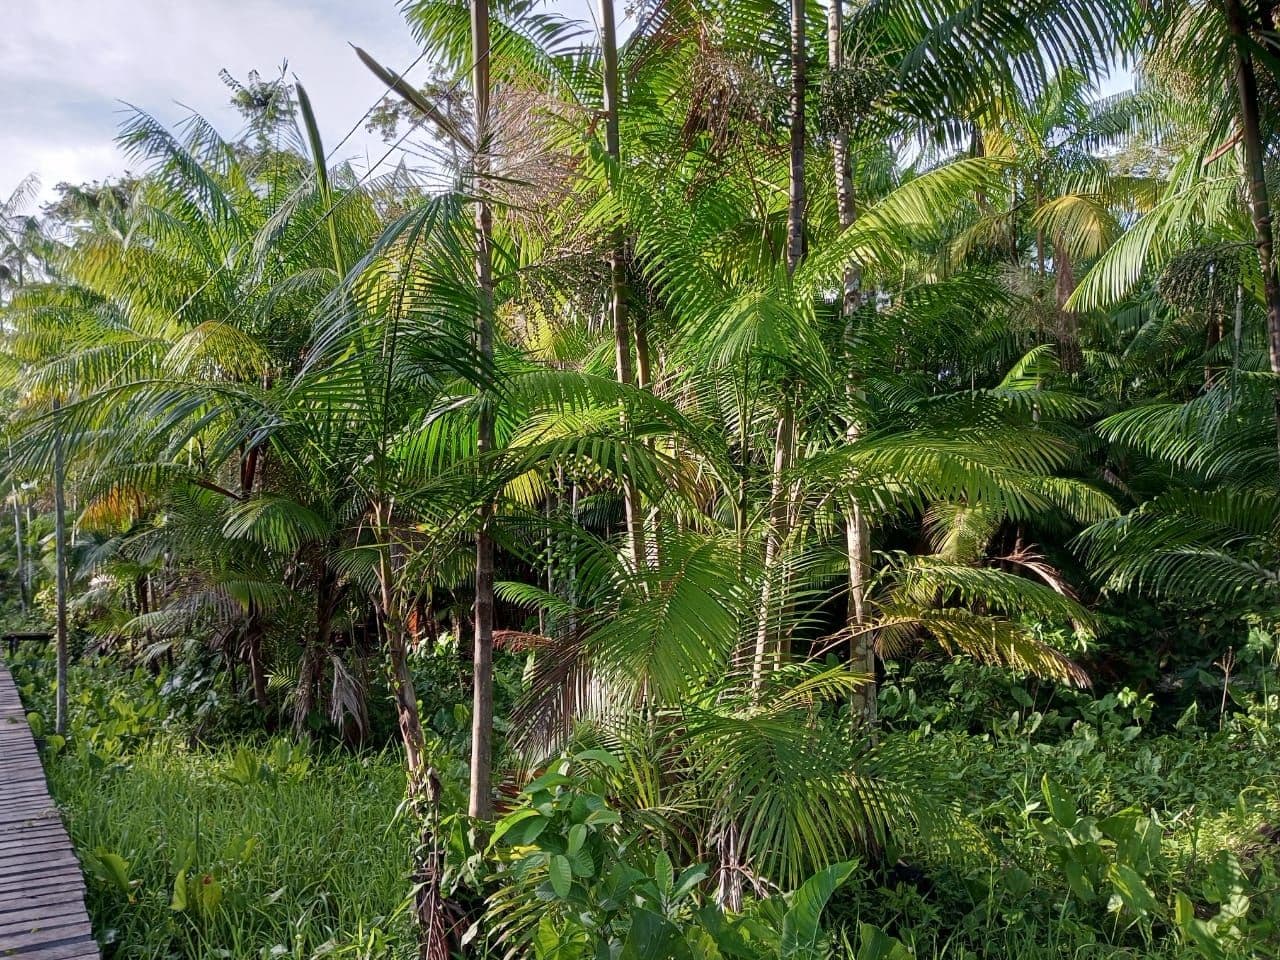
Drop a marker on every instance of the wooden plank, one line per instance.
(43, 921)
(37, 826)
(35, 862)
(77, 948)
(42, 911)
(55, 931)
(66, 883)
(50, 898)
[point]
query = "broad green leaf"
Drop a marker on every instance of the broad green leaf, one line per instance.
(1133, 890)
(689, 878)
(599, 756)
(577, 837)
(663, 873)
(179, 901)
(800, 927)
(651, 937)
(583, 865)
(1061, 807)
(113, 869)
(605, 817)
(507, 823)
(875, 944)
(560, 872)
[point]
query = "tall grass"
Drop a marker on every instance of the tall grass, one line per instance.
(297, 862)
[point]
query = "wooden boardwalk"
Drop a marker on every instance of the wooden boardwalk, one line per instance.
(42, 913)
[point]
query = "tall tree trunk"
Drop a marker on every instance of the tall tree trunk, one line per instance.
(395, 635)
(32, 577)
(19, 548)
(480, 803)
(19, 544)
(862, 644)
(249, 471)
(779, 516)
(1237, 334)
(779, 508)
(617, 266)
(1256, 177)
(142, 589)
(311, 670)
(862, 657)
(253, 658)
(845, 208)
(796, 189)
(60, 572)
(729, 879)
(1068, 333)
(1037, 204)
(249, 465)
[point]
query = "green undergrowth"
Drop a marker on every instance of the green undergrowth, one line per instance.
(1098, 833)
(187, 857)
(1085, 830)
(253, 850)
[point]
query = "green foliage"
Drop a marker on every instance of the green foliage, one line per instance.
(577, 879)
(257, 850)
(887, 534)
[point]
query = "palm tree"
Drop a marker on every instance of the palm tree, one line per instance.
(1218, 46)
(21, 237)
(1204, 529)
(734, 418)
(481, 802)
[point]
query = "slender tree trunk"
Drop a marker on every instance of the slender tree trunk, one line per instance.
(253, 659)
(775, 537)
(19, 545)
(480, 804)
(32, 577)
(1037, 203)
(862, 657)
(142, 588)
(729, 874)
(862, 646)
(249, 471)
(1255, 175)
(729, 880)
(60, 568)
(796, 192)
(393, 629)
(1068, 333)
(249, 465)
(845, 208)
(1237, 334)
(311, 670)
(617, 267)
(779, 508)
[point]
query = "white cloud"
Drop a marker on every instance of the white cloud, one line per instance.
(65, 65)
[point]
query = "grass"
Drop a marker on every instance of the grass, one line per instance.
(305, 861)
(252, 848)
(259, 848)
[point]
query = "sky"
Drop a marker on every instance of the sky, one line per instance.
(67, 67)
